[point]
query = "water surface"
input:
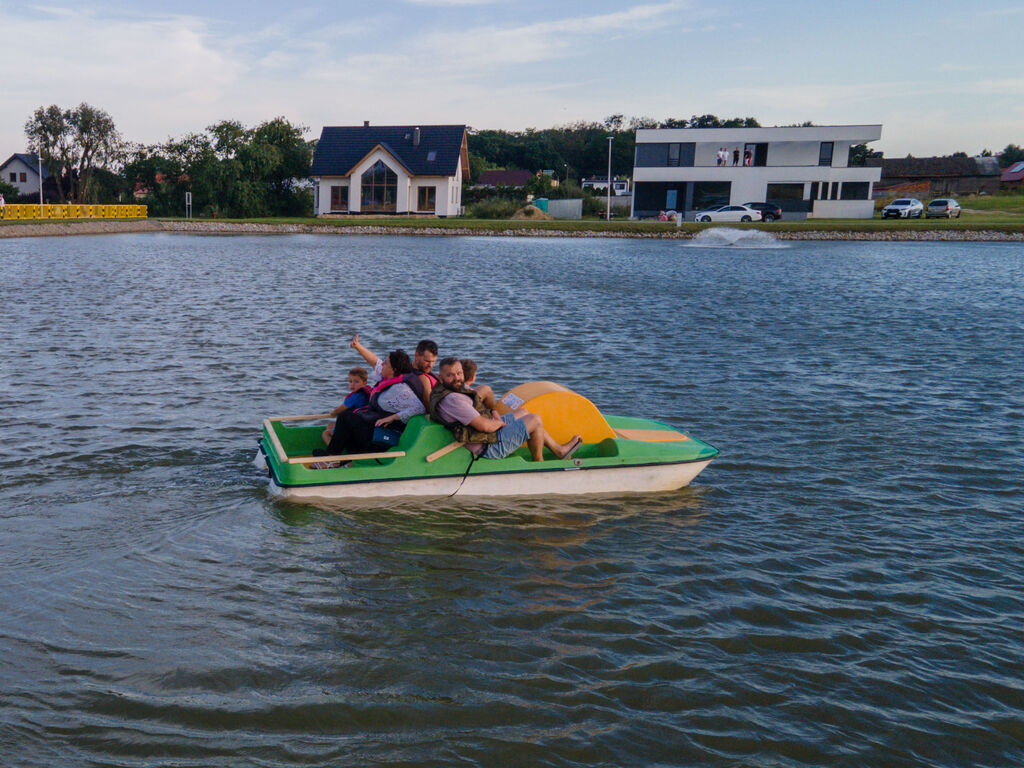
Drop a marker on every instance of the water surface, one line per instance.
(841, 588)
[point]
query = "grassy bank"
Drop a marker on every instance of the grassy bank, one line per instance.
(1002, 214)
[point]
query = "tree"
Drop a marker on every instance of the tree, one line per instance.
(230, 170)
(1010, 155)
(9, 191)
(72, 144)
(860, 154)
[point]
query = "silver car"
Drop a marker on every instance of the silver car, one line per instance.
(904, 208)
(945, 207)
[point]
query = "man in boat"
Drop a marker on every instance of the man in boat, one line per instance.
(484, 431)
(422, 362)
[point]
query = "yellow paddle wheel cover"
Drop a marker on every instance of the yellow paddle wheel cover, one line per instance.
(564, 412)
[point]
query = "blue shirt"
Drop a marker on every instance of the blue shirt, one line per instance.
(356, 399)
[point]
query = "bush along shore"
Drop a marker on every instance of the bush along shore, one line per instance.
(807, 230)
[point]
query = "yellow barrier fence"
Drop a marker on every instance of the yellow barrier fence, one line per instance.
(68, 211)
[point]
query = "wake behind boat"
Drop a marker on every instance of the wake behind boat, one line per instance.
(619, 455)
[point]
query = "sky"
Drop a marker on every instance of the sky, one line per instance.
(940, 77)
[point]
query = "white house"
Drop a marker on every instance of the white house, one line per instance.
(804, 170)
(22, 171)
(619, 186)
(390, 169)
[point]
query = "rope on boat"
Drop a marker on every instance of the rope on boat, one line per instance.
(472, 457)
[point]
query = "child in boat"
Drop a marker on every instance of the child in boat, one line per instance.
(358, 396)
(469, 374)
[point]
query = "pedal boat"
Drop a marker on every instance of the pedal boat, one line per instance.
(619, 455)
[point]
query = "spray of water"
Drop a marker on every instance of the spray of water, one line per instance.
(727, 237)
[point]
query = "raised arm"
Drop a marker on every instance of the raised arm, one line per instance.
(367, 355)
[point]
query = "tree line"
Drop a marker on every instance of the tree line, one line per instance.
(231, 170)
(236, 171)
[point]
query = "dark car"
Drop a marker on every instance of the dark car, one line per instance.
(769, 211)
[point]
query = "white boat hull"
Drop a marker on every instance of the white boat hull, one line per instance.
(571, 482)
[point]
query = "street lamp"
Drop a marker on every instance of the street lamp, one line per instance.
(608, 207)
(566, 172)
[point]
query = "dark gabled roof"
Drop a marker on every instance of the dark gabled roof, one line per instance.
(929, 167)
(341, 147)
(505, 178)
(1014, 173)
(31, 161)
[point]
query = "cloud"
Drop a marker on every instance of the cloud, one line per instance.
(472, 49)
(139, 70)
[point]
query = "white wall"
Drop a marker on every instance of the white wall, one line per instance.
(31, 183)
(448, 197)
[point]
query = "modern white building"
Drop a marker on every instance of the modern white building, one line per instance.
(21, 170)
(804, 170)
(390, 169)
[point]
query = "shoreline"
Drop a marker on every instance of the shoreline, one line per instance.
(106, 227)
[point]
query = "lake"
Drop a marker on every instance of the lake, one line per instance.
(842, 587)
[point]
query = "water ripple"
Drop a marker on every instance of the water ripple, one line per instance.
(841, 588)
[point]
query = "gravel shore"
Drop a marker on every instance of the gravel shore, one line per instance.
(100, 227)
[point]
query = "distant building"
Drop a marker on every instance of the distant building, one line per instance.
(1013, 176)
(940, 175)
(804, 170)
(619, 186)
(390, 169)
(22, 171)
(505, 178)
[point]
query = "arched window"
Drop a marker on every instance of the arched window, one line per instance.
(379, 188)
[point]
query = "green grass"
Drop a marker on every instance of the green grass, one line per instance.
(1004, 213)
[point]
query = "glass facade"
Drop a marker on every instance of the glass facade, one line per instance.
(379, 189)
(665, 155)
(789, 196)
(855, 190)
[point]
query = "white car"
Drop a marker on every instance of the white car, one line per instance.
(728, 213)
(904, 208)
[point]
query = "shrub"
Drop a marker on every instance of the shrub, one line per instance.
(492, 208)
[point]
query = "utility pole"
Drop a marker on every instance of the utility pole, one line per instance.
(608, 207)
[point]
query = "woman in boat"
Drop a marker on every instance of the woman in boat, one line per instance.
(395, 400)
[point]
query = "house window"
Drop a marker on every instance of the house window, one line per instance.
(660, 155)
(380, 188)
(707, 194)
(825, 153)
(339, 198)
(854, 190)
(24, 177)
(14, 177)
(426, 199)
(789, 196)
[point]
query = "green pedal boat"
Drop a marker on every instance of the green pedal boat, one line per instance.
(618, 455)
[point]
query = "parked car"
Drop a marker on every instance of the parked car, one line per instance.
(904, 208)
(769, 211)
(943, 206)
(728, 213)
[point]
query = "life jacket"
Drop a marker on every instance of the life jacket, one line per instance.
(373, 411)
(365, 390)
(462, 432)
(429, 375)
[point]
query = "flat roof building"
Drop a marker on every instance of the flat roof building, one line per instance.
(804, 170)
